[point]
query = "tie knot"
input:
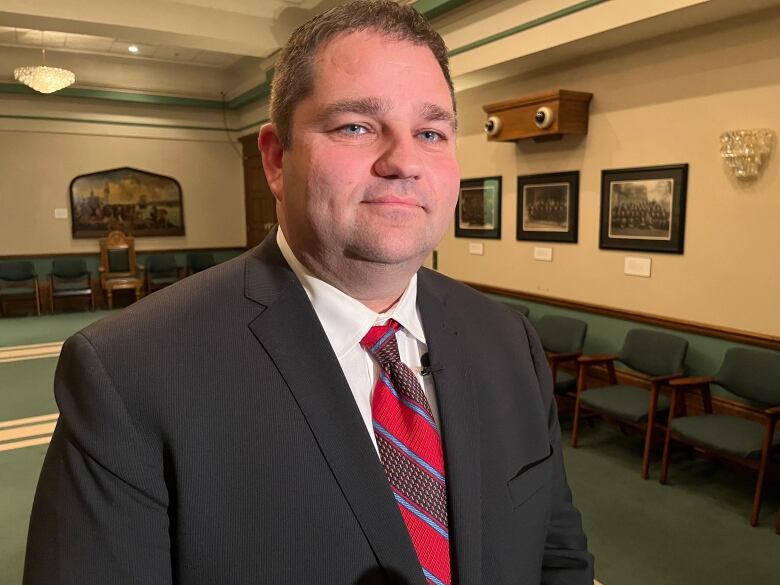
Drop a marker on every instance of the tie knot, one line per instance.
(381, 343)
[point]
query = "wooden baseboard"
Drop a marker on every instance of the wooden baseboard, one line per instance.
(736, 335)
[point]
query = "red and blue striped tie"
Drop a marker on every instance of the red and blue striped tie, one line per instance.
(411, 453)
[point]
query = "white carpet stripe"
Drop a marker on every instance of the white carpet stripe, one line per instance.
(28, 431)
(28, 421)
(30, 352)
(26, 443)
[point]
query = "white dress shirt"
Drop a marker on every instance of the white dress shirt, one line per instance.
(346, 321)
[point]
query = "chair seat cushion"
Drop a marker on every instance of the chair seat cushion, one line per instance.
(63, 288)
(163, 279)
(730, 434)
(626, 402)
(15, 291)
(565, 382)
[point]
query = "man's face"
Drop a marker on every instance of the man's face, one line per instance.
(372, 173)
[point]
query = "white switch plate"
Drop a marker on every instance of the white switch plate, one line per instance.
(477, 248)
(60, 213)
(543, 254)
(634, 266)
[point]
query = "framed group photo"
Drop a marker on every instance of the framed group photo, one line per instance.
(548, 207)
(643, 209)
(478, 210)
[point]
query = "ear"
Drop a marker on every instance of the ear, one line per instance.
(272, 153)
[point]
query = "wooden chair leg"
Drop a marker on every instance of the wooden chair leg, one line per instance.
(668, 438)
(766, 450)
(649, 431)
(110, 298)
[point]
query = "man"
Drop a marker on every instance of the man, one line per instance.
(319, 410)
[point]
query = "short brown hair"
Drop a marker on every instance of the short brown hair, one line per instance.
(293, 76)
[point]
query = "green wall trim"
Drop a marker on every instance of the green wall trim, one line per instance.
(117, 96)
(429, 8)
(133, 124)
(527, 25)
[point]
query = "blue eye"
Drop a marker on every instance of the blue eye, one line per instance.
(353, 129)
(431, 136)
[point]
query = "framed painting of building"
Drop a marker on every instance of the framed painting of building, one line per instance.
(129, 200)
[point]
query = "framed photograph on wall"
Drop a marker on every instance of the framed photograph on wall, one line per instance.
(643, 209)
(548, 207)
(478, 210)
(132, 201)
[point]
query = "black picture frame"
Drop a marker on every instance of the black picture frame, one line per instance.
(548, 207)
(478, 210)
(643, 209)
(136, 202)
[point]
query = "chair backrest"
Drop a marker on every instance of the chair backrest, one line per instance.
(161, 263)
(561, 334)
(197, 261)
(69, 268)
(117, 255)
(751, 373)
(654, 353)
(519, 308)
(17, 271)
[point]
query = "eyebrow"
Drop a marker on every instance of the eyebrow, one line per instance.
(376, 106)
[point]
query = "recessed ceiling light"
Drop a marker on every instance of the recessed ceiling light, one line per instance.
(132, 49)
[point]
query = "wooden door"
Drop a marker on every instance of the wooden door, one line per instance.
(259, 201)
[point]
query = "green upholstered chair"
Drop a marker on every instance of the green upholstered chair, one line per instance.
(70, 278)
(199, 261)
(562, 340)
(18, 281)
(522, 309)
(161, 270)
(656, 358)
(753, 375)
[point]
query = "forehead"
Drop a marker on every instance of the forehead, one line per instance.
(367, 63)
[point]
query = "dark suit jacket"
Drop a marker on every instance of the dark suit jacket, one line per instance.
(207, 435)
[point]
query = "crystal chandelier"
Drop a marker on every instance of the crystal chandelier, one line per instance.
(44, 79)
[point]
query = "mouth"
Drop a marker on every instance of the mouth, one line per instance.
(393, 201)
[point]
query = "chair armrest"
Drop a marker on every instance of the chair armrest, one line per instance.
(589, 360)
(690, 382)
(563, 356)
(667, 378)
(773, 413)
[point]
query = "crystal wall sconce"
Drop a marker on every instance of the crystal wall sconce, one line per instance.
(745, 151)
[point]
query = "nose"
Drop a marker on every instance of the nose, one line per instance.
(399, 159)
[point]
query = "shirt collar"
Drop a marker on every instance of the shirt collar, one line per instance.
(344, 319)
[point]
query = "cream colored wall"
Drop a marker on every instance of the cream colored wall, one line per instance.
(660, 102)
(39, 158)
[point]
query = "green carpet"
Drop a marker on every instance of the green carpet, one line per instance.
(46, 328)
(19, 470)
(27, 389)
(692, 531)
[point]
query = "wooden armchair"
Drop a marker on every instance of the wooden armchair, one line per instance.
(657, 358)
(118, 267)
(753, 376)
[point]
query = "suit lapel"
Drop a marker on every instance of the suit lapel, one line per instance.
(286, 326)
(460, 430)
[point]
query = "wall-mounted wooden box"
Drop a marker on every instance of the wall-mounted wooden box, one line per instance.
(562, 111)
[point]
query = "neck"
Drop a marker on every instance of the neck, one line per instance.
(377, 286)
